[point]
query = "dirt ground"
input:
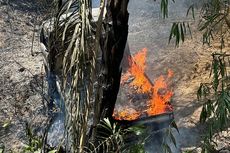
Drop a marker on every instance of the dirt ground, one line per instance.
(21, 86)
(21, 73)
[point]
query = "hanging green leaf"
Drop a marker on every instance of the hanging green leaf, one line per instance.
(173, 124)
(182, 32)
(215, 68)
(191, 8)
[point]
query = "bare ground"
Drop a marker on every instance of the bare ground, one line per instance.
(22, 74)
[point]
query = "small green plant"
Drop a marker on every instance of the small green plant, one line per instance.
(34, 144)
(109, 138)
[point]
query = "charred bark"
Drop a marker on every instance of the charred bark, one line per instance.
(113, 45)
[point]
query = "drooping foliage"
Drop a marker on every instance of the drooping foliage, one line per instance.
(85, 55)
(216, 99)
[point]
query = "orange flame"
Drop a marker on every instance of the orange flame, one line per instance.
(159, 102)
(160, 95)
(127, 114)
(137, 70)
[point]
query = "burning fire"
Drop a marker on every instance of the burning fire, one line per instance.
(159, 94)
(128, 114)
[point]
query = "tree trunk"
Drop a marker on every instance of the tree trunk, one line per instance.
(113, 45)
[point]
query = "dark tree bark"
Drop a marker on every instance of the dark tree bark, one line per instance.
(113, 46)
